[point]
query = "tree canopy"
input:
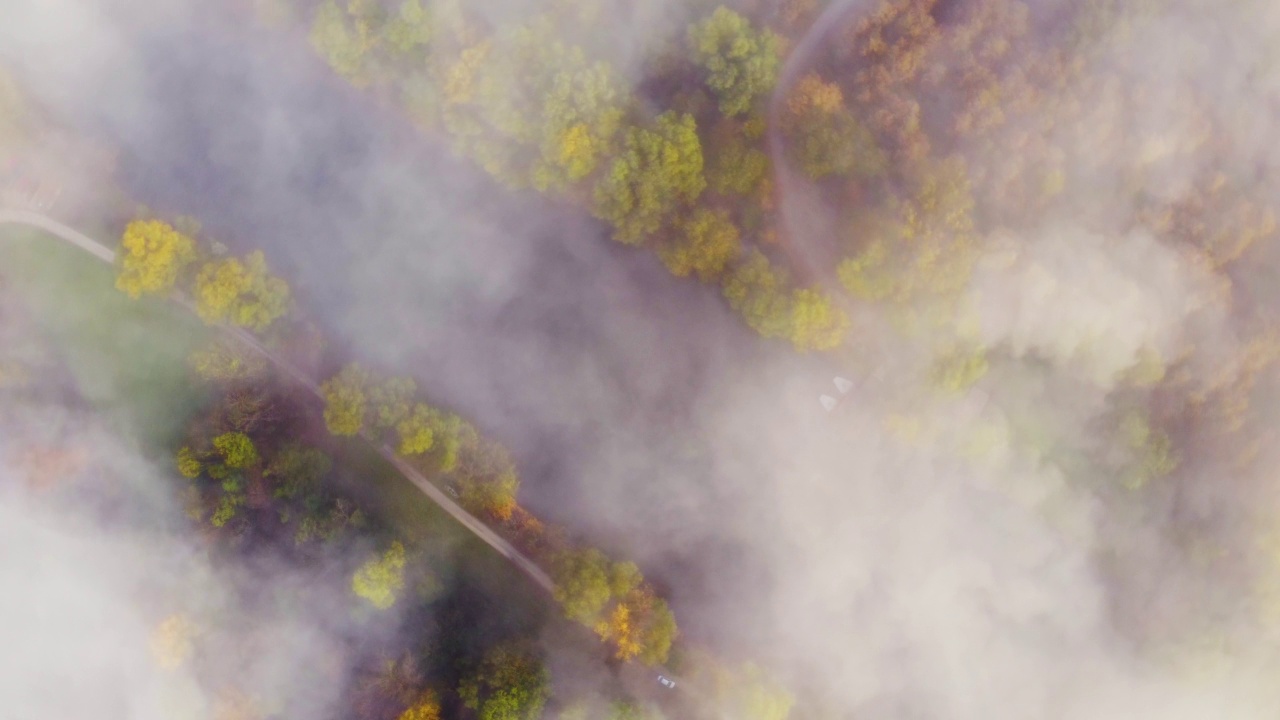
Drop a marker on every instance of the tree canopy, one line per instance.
(705, 244)
(381, 578)
(153, 257)
(740, 62)
(241, 293)
(345, 400)
(825, 137)
(417, 430)
(510, 684)
(582, 584)
(236, 449)
(426, 707)
(658, 172)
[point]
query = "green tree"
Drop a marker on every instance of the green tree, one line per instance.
(741, 63)
(623, 578)
(345, 400)
(188, 464)
(381, 578)
(237, 450)
(409, 29)
(426, 707)
(581, 116)
(487, 477)
(232, 499)
(532, 110)
(447, 434)
(758, 292)
(152, 258)
(582, 584)
(658, 172)
(297, 469)
(417, 430)
(510, 684)
(240, 293)
(392, 400)
(737, 166)
(707, 242)
(327, 522)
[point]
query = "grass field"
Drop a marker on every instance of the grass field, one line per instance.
(127, 357)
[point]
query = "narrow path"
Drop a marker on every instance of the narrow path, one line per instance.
(469, 521)
(787, 179)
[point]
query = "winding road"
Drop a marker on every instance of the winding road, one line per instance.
(469, 521)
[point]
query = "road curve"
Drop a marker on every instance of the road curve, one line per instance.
(53, 227)
(469, 521)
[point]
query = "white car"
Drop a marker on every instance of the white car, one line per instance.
(666, 681)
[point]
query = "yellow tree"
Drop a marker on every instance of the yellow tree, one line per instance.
(241, 293)
(427, 707)
(381, 578)
(345, 400)
(417, 430)
(188, 464)
(619, 630)
(758, 290)
(237, 450)
(152, 258)
(707, 242)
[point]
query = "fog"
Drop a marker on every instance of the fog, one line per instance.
(910, 555)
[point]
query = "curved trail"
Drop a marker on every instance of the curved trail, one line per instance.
(785, 175)
(795, 205)
(469, 521)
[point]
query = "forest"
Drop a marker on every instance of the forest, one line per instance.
(1038, 236)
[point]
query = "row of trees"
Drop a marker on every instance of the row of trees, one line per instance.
(611, 598)
(534, 110)
(157, 258)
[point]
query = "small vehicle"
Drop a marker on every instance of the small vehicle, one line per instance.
(668, 682)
